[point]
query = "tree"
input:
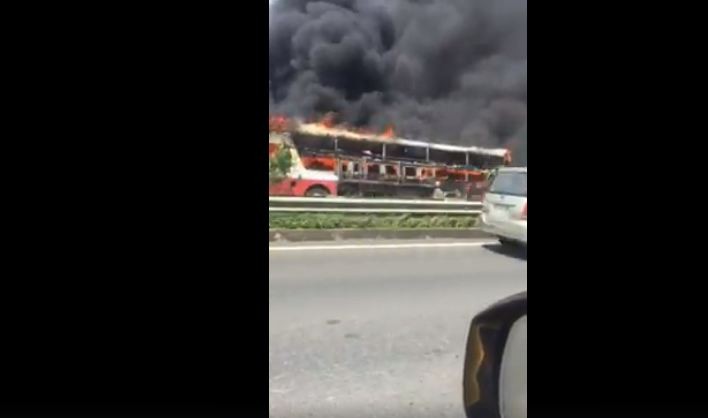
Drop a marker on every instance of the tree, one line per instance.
(280, 164)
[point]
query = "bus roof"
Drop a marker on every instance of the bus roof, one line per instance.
(320, 130)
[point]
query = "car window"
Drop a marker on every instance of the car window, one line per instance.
(510, 183)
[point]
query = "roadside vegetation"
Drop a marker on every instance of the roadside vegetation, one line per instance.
(279, 164)
(363, 221)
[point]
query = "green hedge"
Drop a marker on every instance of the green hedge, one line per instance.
(359, 221)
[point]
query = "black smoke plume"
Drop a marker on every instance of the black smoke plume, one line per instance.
(452, 71)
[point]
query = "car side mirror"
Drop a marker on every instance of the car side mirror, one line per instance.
(495, 370)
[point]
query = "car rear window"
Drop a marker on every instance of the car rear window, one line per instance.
(510, 183)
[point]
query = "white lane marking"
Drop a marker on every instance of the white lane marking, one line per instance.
(380, 246)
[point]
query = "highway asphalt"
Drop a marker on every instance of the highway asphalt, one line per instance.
(378, 328)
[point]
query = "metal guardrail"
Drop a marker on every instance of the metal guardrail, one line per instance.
(345, 205)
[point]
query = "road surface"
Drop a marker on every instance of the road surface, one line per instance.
(357, 331)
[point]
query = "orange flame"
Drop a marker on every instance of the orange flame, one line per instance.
(278, 123)
(389, 132)
(507, 158)
(328, 120)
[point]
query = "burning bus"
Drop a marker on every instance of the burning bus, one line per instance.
(329, 161)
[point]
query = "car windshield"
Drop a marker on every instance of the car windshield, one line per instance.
(509, 183)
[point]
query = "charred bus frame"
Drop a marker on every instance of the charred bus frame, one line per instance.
(371, 165)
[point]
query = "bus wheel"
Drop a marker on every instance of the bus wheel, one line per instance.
(317, 191)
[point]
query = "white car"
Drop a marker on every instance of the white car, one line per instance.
(504, 206)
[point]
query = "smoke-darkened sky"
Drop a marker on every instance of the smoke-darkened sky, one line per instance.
(451, 71)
